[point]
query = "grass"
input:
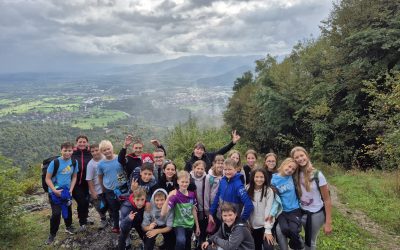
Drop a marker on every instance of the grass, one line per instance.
(375, 192)
(46, 106)
(99, 118)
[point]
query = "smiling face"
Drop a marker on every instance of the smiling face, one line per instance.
(159, 158)
(235, 157)
(301, 158)
(159, 200)
(96, 154)
(270, 162)
(66, 152)
(219, 167)
(259, 179)
(146, 175)
(169, 171)
(82, 143)
(183, 183)
(107, 152)
(198, 152)
(229, 171)
(228, 217)
(137, 149)
(251, 160)
(199, 170)
(288, 169)
(139, 201)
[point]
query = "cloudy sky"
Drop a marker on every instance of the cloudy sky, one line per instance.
(47, 35)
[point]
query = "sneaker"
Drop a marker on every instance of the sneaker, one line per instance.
(50, 239)
(103, 224)
(115, 230)
(82, 228)
(71, 230)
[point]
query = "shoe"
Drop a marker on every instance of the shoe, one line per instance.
(115, 230)
(82, 228)
(103, 224)
(50, 239)
(71, 230)
(90, 221)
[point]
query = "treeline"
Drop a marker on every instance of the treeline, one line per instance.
(338, 95)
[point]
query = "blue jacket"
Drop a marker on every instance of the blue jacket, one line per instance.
(233, 191)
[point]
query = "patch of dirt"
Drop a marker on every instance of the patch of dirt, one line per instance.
(385, 240)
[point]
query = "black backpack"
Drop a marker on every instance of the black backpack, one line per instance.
(46, 164)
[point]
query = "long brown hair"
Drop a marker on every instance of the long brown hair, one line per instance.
(252, 184)
(307, 170)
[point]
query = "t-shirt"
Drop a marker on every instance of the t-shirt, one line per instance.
(311, 201)
(91, 175)
(64, 173)
(287, 191)
(183, 205)
(113, 173)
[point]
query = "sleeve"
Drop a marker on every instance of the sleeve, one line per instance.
(76, 168)
(217, 235)
(125, 221)
(90, 174)
(270, 199)
(223, 150)
(207, 194)
(234, 240)
(146, 219)
(50, 169)
(194, 199)
(163, 148)
(100, 169)
(172, 202)
(188, 166)
(170, 219)
(122, 156)
(322, 179)
(276, 204)
(248, 205)
(214, 206)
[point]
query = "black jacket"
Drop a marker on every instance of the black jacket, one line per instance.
(83, 157)
(208, 157)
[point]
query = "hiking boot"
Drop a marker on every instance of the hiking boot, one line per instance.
(82, 228)
(70, 230)
(50, 239)
(115, 230)
(103, 224)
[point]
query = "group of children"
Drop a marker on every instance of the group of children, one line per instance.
(219, 202)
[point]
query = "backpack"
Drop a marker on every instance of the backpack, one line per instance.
(45, 165)
(316, 179)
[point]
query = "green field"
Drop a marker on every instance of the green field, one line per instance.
(98, 118)
(46, 105)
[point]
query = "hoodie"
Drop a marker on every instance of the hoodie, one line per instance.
(200, 185)
(233, 191)
(147, 186)
(262, 209)
(127, 207)
(237, 237)
(211, 189)
(155, 214)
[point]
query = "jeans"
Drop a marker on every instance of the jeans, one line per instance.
(183, 238)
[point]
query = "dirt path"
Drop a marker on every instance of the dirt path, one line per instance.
(384, 239)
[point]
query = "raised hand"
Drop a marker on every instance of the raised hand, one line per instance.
(155, 142)
(235, 136)
(132, 215)
(128, 140)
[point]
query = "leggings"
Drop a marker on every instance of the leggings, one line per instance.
(318, 220)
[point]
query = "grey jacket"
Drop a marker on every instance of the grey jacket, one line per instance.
(238, 239)
(155, 213)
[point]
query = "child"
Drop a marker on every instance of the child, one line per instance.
(112, 180)
(60, 190)
(183, 203)
(314, 196)
(235, 155)
(199, 153)
(198, 176)
(153, 224)
(137, 157)
(233, 234)
(132, 216)
(96, 193)
(270, 161)
(231, 190)
(168, 179)
(81, 190)
(262, 197)
(213, 178)
(251, 158)
(289, 220)
(144, 179)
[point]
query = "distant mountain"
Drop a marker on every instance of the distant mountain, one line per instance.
(226, 78)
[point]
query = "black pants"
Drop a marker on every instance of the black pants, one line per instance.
(290, 224)
(203, 222)
(81, 196)
(124, 234)
(56, 217)
(114, 205)
(259, 242)
(169, 240)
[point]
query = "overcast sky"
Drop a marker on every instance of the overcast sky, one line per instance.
(51, 35)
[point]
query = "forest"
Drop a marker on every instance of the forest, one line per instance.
(338, 95)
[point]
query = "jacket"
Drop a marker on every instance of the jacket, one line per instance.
(262, 210)
(83, 157)
(233, 191)
(208, 157)
(155, 213)
(238, 237)
(211, 189)
(200, 190)
(127, 207)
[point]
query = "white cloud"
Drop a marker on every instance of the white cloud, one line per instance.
(157, 28)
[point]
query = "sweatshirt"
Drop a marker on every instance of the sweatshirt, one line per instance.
(262, 209)
(233, 191)
(237, 237)
(155, 214)
(211, 189)
(200, 186)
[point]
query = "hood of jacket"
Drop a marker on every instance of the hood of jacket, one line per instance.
(197, 178)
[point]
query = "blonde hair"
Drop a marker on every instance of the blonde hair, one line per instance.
(183, 174)
(217, 159)
(105, 144)
(286, 162)
(230, 162)
(197, 163)
(139, 192)
(308, 170)
(251, 151)
(238, 166)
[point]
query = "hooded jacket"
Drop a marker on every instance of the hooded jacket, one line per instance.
(207, 157)
(233, 191)
(211, 189)
(155, 213)
(200, 190)
(262, 209)
(127, 207)
(83, 157)
(238, 237)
